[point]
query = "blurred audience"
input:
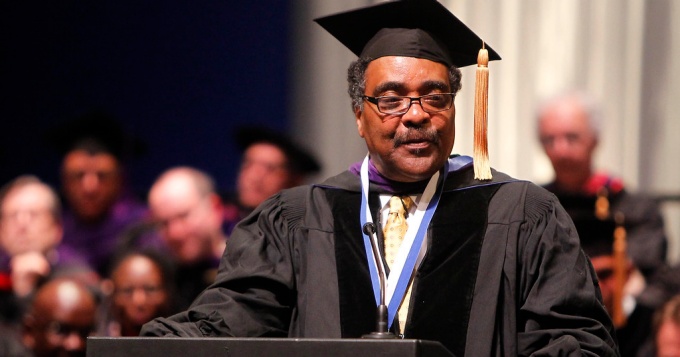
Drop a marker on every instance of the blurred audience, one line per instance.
(30, 236)
(60, 318)
(142, 289)
(99, 207)
(568, 126)
(270, 163)
(184, 202)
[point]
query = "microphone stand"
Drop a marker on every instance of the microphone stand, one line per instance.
(381, 331)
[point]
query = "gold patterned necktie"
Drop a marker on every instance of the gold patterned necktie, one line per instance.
(394, 232)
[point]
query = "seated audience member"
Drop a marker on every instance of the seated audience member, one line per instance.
(604, 242)
(60, 318)
(141, 290)
(30, 236)
(568, 126)
(270, 163)
(190, 213)
(99, 207)
(666, 342)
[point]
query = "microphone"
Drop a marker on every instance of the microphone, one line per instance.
(381, 331)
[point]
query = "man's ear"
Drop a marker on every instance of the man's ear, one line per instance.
(216, 201)
(357, 114)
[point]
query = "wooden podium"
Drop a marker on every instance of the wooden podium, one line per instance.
(260, 347)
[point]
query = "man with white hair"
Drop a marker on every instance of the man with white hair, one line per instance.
(568, 129)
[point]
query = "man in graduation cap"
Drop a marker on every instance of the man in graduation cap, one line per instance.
(270, 163)
(487, 266)
(99, 208)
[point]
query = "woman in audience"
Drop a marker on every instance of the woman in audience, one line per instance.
(140, 289)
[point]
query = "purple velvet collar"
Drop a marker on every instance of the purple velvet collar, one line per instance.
(387, 185)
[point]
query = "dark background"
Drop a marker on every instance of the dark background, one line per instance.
(178, 75)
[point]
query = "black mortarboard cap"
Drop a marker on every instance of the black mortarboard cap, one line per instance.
(596, 235)
(299, 159)
(411, 28)
(578, 205)
(95, 129)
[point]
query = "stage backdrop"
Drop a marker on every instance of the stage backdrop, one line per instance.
(179, 75)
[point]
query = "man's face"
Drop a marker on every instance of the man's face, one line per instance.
(139, 292)
(568, 140)
(62, 325)
(264, 172)
(91, 183)
(412, 146)
(27, 223)
(187, 219)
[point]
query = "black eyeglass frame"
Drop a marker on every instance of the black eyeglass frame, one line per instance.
(376, 101)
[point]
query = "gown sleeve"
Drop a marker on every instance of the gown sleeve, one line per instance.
(254, 291)
(560, 305)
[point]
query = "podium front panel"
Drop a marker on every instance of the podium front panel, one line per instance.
(260, 347)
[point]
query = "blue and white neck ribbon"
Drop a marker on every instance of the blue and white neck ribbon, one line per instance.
(404, 265)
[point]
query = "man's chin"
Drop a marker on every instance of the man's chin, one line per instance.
(417, 169)
(90, 212)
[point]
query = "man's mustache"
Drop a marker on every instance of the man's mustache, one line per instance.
(417, 134)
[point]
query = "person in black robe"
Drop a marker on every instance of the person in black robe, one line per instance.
(568, 126)
(496, 269)
(270, 162)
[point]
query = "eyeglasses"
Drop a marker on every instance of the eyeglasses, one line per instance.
(147, 289)
(431, 103)
(29, 215)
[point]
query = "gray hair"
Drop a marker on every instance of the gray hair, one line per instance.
(586, 101)
(356, 80)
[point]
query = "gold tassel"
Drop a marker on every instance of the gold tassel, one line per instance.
(602, 204)
(480, 152)
(620, 271)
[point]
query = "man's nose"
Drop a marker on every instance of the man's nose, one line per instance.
(561, 146)
(90, 182)
(138, 296)
(415, 113)
(175, 230)
(24, 218)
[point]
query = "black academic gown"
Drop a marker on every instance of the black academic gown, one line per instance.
(503, 275)
(646, 240)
